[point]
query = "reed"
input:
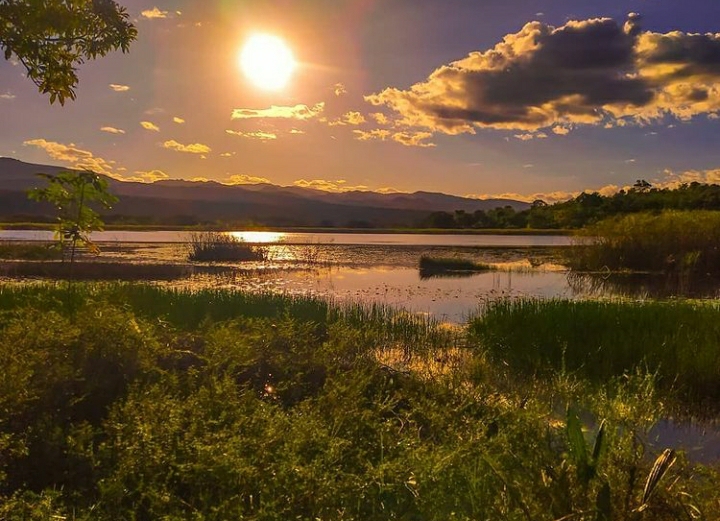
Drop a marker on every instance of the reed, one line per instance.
(599, 340)
(671, 242)
(209, 246)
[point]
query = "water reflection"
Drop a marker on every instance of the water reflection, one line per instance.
(645, 285)
(259, 237)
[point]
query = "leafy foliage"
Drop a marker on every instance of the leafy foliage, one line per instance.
(134, 402)
(585, 209)
(72, 194)
(52, 37)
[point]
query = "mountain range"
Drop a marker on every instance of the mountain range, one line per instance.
(197, 202)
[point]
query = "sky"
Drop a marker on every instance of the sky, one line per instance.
(520, 98)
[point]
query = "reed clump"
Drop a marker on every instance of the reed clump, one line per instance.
(669, 242)
(434, 266)
(210, 246)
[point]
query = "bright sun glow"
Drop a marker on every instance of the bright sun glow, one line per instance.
(267, 61)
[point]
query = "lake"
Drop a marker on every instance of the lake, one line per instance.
(364, 239)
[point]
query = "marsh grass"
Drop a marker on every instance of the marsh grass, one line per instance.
(29, 251)
(209, 246)
(125, 401)
(671, 242)
(436, 266)
(600, 340)
(99, 271)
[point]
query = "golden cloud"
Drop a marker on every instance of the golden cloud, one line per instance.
(119, 88)
(339, 89)
(585, 72)
(337, 186)
(77, 157)
(243, 179)
(193, 148)
(259, 134)
(178, 120)
(146, 176)
(112, 130)
(147, 125)
(350, 118)
(409, 139)
(154, 13)
(301, 112)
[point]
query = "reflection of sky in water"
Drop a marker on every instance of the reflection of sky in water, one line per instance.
(451, 299)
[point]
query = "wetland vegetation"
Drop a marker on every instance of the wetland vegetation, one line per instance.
(145, 403)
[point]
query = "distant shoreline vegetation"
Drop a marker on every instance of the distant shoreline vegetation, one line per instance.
(542, 218)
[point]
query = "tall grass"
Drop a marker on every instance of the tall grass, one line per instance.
(671, 241)
(29, 251)
(599, 340)
(212, 246)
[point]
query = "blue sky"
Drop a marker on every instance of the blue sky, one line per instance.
(523, 97)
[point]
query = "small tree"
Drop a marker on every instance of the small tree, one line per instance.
(72, 193)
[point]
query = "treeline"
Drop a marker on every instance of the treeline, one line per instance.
(585, 209)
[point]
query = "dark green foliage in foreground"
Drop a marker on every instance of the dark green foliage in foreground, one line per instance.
(678, 341)
(130, 402)
(672, 242)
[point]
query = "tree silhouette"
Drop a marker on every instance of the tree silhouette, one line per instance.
(52, 37)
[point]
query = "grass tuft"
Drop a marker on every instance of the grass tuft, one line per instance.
(212, 246)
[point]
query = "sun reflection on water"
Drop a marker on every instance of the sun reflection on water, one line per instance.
(259, 237)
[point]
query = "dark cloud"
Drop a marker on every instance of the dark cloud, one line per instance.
(585, 72)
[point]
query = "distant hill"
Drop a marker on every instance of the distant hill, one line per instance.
(190, 202)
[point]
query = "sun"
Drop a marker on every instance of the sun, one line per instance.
(267, 61)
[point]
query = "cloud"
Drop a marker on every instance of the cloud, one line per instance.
(77, 157)
(146, 176)
(147, 125)
(339, 89)
(178, 120)
(154, 13)
(531, 135)
(296, 131)
(409, 139)
(551, 197)
(675, 179)
(259, 134)
(560, 130)
(7, 96)
(193, 148)
(119, 88)
(243, 179)
(301, 112)
(350, 118)
(112, 130)
(337, 186)
(380, 118)
(585, 72)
